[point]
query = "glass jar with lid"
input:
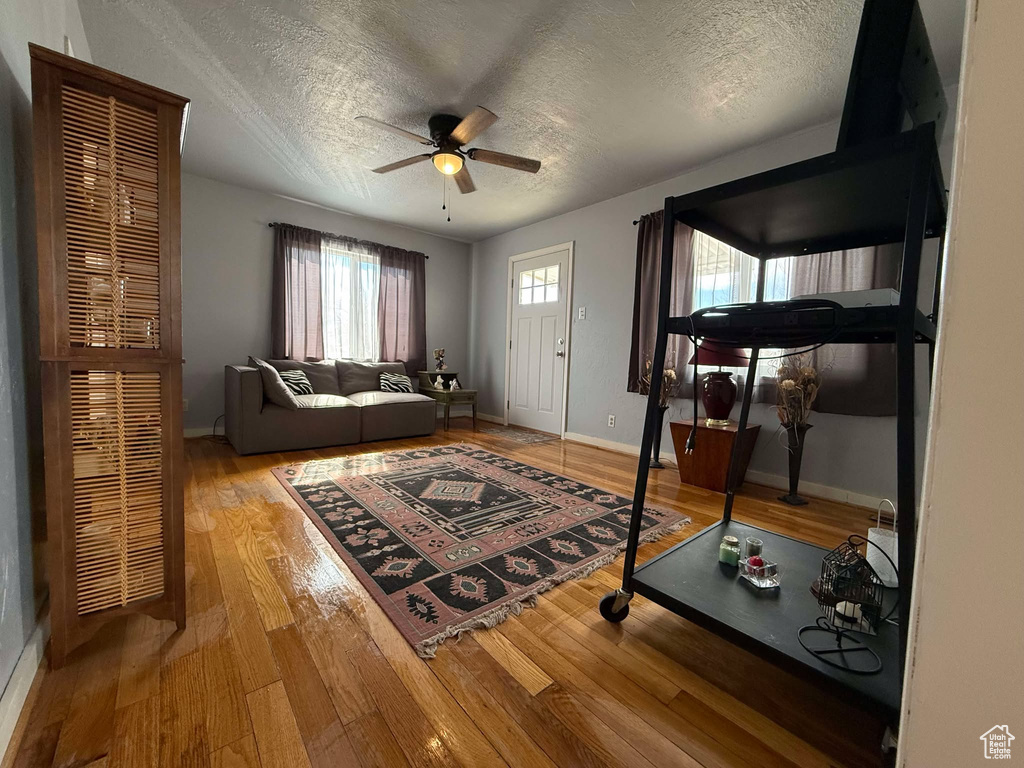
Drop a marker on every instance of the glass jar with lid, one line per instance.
(729, 551)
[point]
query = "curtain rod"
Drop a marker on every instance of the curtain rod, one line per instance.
(275, 224)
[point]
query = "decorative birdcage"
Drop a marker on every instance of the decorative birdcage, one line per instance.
(849, 591)
(850, 595)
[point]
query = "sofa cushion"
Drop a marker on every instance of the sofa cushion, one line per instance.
(386, 415)
(324, 401)
(322, 374)
(278, 429)
(371, 399)
(274, 388)
(355, 376)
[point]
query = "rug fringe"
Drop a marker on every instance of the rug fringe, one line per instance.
(427, 648)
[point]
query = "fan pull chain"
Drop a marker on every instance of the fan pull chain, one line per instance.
(446, 198)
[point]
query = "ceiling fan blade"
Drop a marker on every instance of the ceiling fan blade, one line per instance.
(401, 164)
(472, 125)
(508, 161)
(395, 130)
(465, 181)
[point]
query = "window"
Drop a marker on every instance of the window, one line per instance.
(349, 290)
(538, 286)
(724, 275)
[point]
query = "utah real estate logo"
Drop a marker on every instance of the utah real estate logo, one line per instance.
(997, 742)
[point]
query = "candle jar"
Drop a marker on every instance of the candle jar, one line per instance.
(729, 551)
(753, 547)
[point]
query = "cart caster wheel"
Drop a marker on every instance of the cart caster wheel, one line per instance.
(607, 608)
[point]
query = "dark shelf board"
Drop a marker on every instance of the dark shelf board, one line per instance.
(767, 328)
(851, 198)
(689, 581)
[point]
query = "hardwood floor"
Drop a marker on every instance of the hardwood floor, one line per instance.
(286, 661)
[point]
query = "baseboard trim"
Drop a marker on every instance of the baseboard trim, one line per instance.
(753, 476)
(815, 489)
(14, 697)
(198, 431)
(668, 457)
(490, 417)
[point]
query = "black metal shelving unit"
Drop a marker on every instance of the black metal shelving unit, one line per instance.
(882, 191)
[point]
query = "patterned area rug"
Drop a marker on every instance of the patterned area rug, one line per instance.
(455, 538)
(525, 436)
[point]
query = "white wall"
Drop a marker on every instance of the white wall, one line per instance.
(966, 668)
(855, 454)
(22, 526)
(227, 250)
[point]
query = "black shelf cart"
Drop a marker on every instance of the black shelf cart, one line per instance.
(882, 191)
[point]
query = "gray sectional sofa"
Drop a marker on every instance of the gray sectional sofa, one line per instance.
(346, 407)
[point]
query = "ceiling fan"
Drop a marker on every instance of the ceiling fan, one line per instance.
(449, 133)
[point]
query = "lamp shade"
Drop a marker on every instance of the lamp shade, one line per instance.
(719, 354)
(447, 163)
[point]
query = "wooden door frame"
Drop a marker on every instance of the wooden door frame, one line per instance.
(569, 246)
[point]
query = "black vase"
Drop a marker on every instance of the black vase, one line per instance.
(656, 456)
(796, 435)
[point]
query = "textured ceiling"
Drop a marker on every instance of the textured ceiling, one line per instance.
(611, 95)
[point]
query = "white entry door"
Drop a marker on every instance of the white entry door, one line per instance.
(539, 344)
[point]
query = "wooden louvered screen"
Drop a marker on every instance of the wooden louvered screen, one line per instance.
(113, 236)
(108, 173)
(116, 444)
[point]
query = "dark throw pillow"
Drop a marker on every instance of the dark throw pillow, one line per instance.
(297, 382)
(356, 376)
(274, 388)
(322, 374)
(395, 382)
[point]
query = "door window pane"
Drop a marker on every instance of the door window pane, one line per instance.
(538, 286)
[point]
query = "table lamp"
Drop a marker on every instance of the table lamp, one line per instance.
(717, 389)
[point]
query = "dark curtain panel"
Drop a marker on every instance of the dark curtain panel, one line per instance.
(856, 379)
(645, 300)
(402, 308)
(296, 324)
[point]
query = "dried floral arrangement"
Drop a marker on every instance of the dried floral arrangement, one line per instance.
(798, 383)
(669, 382)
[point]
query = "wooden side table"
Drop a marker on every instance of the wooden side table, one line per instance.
(708, 465)
(447, 397)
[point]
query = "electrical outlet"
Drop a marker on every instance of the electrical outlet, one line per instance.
(184, 404)
(611, 419)
(582, 313)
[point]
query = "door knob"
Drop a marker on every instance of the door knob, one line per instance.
(559, 353)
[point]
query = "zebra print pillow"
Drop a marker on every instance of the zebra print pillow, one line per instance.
(297, 382)
(395, 382)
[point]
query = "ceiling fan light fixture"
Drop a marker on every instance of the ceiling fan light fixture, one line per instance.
(448, 163)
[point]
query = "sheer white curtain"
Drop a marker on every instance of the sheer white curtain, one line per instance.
(349, 287)
(724, 275)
